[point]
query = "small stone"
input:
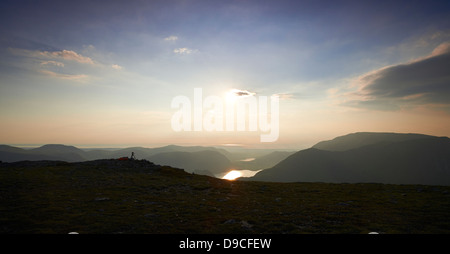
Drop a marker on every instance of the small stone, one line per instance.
(101, 199)
(245, 224)
(230, 221)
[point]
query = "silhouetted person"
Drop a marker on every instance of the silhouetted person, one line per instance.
(132, 156)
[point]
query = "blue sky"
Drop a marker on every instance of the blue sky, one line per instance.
(105, 72)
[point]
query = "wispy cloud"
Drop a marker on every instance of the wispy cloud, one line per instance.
(285, 96)
(78, 77)
(441, 49)
(171, 38)
(63, 64)
(55, 63)
(68, 55)
(183, 51)
(116, 67)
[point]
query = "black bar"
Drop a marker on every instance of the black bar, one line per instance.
(223, 243)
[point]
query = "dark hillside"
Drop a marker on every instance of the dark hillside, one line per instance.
(201, 162)
(131, 197)
(423, 160)
(360, 139)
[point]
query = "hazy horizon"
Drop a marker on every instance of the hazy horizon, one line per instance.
(224, 146)
(121, 146)
(105, 74)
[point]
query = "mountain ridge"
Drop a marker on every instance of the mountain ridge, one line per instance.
(215, 161)
(358, 139)
(398, 158)
(408, 160)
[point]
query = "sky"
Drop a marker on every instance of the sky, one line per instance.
(105, 73)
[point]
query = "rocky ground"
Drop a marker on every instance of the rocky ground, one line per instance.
(117, 197)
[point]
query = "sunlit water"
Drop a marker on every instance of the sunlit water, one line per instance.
(233, 174)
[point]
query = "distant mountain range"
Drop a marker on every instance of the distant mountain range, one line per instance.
(368, 157)
(354, 158)
(46, 152)
(198, 159)
(74, 154)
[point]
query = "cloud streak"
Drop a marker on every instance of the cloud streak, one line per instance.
(424, 81)
(116, 67)
(77, 77)
(183, 51)
(171, 38)
(62, 64)
(67, 55)
(55, 63)
(285, 96)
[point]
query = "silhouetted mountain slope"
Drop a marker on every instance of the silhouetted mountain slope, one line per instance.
(46, 152)
(142, 152)
(61, 152)
(175, 148)
(425, 160)
(7, 156)
(98, 154)
(360, 139)
(199, 162)
(73, 154)
(57, 148)
(265, 161)
(11, 149)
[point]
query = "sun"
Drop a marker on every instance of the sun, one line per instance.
(230, 96)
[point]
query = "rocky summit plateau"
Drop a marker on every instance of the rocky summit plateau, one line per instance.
(139, 197)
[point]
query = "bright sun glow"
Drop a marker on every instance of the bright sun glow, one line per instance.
(232, 175)
(231, 97)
